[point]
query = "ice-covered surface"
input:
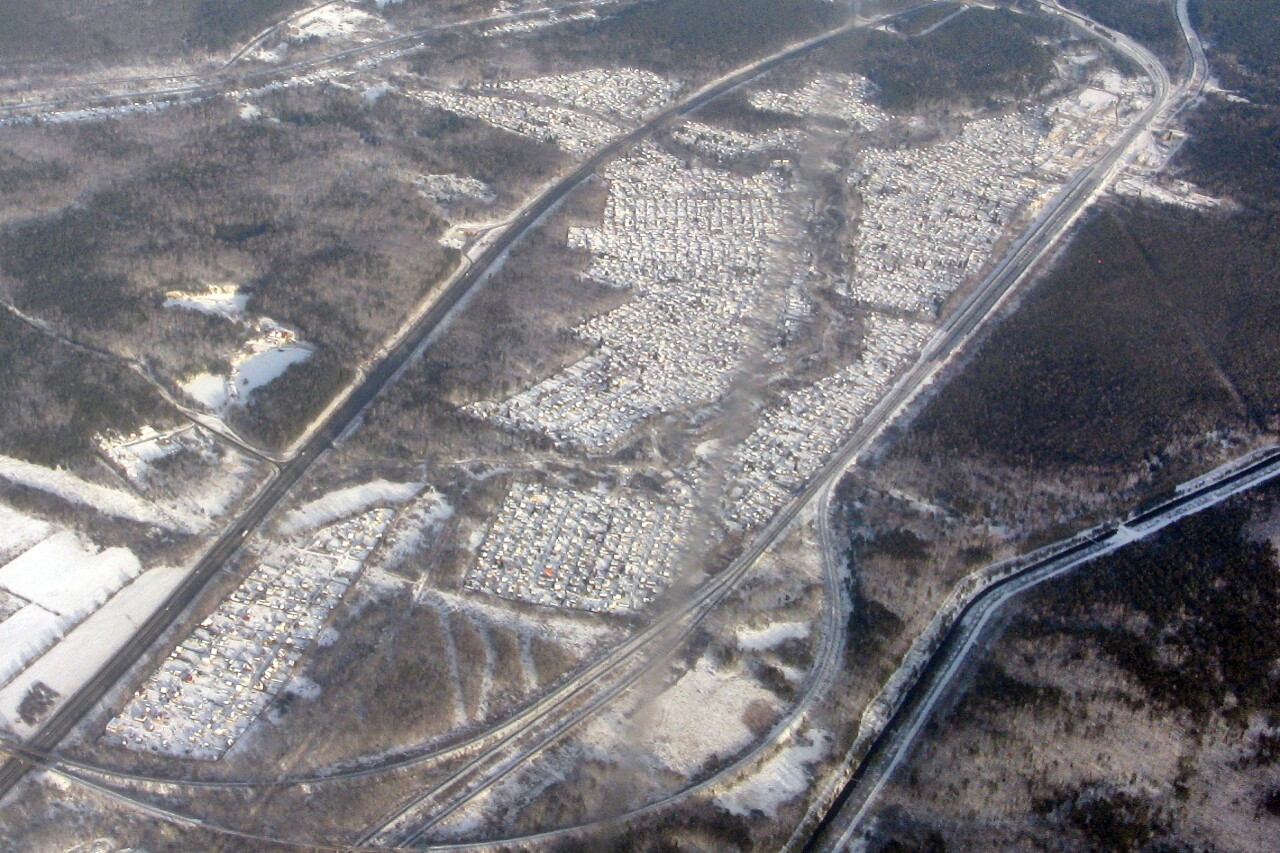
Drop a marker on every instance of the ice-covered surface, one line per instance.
(347, 502)
(72, 662)
(700, 717)
(218, 393)
(783, 777)
(106, 500)
(225, 300)
(766, 638)
(67, 576)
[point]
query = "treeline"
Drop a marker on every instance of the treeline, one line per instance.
(1234, 149)
(277, 413)
(983, 57)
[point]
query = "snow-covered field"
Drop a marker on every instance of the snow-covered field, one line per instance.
(72, 662)
(762, 639)
(783, 777)
(51, 579)
(700, 717)
(18, 532)
(218, 393)
(221, 300)
(347, 502)
(67, 576)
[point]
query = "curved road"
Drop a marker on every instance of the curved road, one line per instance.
(893, 746)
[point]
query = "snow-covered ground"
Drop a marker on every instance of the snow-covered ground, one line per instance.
(337, 20)
(347, 502)
(113, 502)
(766, 638)
(67, 576)
(218, 393)
(700, 717)
(134, 455)
(783, 777)
(50, 580)
(18, 532)
(69, 664)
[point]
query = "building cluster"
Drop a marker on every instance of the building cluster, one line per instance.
(208, 692)
(932, 216)
(587, 550)
(574, 131)
(1082, 126)
(528, 25)
(797, 311)
(694, 246)
(133, 455)
(625, 93)
(722, 144)
(838, 95)
(798, 435)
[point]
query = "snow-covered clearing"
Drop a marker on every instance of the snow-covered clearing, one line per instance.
(222, 300)
(72, 662)
(420, 522)
(347, 502)
(338, 20)
(58, 581)
(218, 393)
(783, 777)
(67, 576)
(101, 498)
(700, 717)
(766, 638)
(18, 532)
(26, 634)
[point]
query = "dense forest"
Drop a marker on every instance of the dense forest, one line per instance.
(1201, 588)
(57, 397)
(667, 35)
(982, 58)
(1149, 22)
(1156, 322)
(1244, 37)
